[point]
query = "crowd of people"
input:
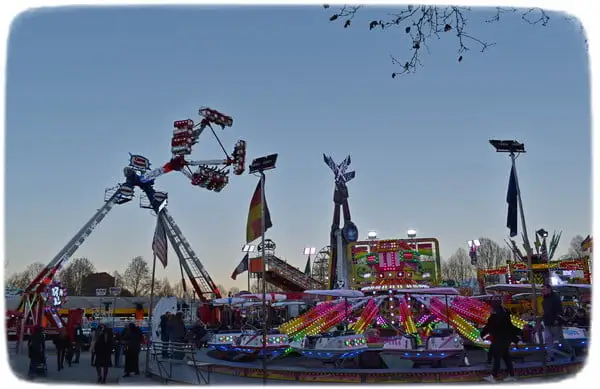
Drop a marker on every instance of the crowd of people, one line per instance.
(172, 330)
(105, 344)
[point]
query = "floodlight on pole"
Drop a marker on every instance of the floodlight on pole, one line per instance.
(260, 165)
(412, 233)
(513, 148)
(372, 235)
(248, 248)
(310, 251)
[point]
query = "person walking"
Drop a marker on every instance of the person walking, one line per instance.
(103, 349)
(94, 337)
(502, 332)
(62, 343)
(552, 319)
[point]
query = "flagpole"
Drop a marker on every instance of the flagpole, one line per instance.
(534, 304)
(148, 343)
(264, 273)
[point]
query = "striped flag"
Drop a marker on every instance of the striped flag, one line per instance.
(159, 243)
(253, 229)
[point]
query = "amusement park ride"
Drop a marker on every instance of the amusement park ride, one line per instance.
(209, 174)
(340, 236)
(424, 325)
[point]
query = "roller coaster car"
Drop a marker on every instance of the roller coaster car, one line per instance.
(439, 346)
(187, 124)
(139, 162)
(224, 340)
(331, 347)
(126, 193)
(239, 157)
(577, 338)
(216, 117)
(275, 343)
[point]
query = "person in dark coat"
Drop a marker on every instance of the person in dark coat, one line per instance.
(79, 338)
(164, 332)
(581, 319)
(177, 332)
(36, 349)
(118, 336)
(103, 347)
(132, 340)
(553, 322)
(62, 343)
(500, 328)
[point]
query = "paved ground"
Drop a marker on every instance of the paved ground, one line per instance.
(83, 373)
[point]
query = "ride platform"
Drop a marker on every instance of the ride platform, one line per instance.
(306, 370)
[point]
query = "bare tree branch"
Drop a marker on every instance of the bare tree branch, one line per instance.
(423, 23)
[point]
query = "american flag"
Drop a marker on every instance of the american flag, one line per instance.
(159, 243)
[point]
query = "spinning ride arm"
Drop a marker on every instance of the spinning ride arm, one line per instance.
(44, 278)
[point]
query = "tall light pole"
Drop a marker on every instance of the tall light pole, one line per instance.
(308, 251)
(371, 236)
(412, 234)
(260, 165)
(248, 249)
(514, 148)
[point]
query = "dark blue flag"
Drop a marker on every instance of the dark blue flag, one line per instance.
(511, 199)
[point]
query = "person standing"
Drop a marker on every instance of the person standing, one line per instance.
(553, 322)
(133, 344)
(118, 347)
(177, 332)
(502, 332)
(103, 348)
(78, 342)
(62, 343)
(164, 333)
(36, 349)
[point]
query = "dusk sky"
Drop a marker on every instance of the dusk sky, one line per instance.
(88, 86)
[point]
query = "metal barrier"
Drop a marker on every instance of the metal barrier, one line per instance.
(169, 354)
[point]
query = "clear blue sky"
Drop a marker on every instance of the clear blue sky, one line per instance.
(88, 86)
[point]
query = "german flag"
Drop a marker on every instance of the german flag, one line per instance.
(253, 229)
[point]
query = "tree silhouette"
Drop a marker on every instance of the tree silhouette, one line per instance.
(458, 267)
(137, 277)
(418, 25)
(74, 273)
(21, 280)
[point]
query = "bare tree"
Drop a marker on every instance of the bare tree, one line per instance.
(575, 249)
(418, 25)
(21, 280)
(163, 288)
(75, 273)
(118, 278)
(458, 267)
(491, 255)
(178, 290)
(137, 276)
(222, 289)
(233, 291)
